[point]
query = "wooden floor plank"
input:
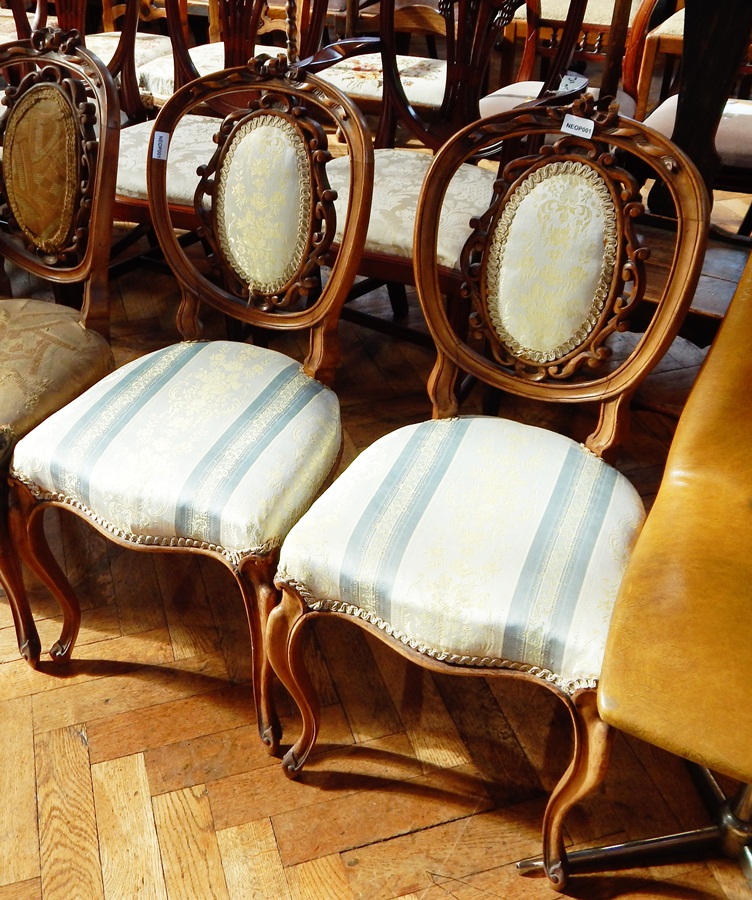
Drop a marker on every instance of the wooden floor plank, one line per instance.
(19, 837)
(190, 853)
(67, 820)
(131, 862)
(251, 862)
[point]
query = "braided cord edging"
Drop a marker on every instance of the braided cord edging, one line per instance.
(234, 557)
(567, 685)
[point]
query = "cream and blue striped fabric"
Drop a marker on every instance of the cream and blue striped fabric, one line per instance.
(477, 541)
(215, 444)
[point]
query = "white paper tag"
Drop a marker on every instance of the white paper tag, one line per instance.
(161, 143)
(578, 126)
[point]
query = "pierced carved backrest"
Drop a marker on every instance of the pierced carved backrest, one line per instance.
(265, 205)
(556, 265)
(59, 130)
(471, 34)
(242, 24)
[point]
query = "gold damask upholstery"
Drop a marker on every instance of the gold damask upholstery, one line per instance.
(477, 544)
(59, 133)
(220, 446)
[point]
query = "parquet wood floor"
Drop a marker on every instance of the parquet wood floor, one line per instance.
(136, 770)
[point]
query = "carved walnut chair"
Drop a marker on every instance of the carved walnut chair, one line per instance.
(218, 447)
(59, 130)
(388, 252)
(483, 545)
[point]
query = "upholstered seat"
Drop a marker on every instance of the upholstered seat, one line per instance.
(407, 533)
(398, 177)
(192, 141)
(362, 79)
(46, 359)
(157, 74)
(732, 137)
(120, 451)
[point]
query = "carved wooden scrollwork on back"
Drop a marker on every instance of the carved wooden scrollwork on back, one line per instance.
(559, 225)
(265, 203)
(49, 157)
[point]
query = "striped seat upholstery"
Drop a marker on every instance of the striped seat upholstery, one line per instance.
(517, 568)
(120, 451)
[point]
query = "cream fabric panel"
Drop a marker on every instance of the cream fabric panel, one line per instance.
(474, 540)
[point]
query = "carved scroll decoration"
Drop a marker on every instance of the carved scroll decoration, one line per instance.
(317, 219)
(619, 292)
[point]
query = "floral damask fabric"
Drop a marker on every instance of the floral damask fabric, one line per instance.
(217, 444)
(264, 202)
(551, 260)
(147, 47)
(46, 359)
(518, 568)
(398, 176)
(192, 145)
(362, 78)
(157, 76)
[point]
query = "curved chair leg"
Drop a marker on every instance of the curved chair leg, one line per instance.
(592, 745)
(285, 649)
(27, 528)
(256, 580)
(11, 579)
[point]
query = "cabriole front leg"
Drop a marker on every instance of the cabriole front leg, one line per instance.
(27, 532)
(284, 644)
(11, 580)
(592, 745)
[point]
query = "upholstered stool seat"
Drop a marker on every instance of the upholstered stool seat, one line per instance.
(121, 453)
(46, 358)
(157, 75)
(362, 79)
(731, 138)
(404, 539)
(512, 95)
(192, 142)
(398, 176)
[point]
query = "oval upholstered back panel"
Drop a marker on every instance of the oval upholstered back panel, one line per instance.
(41, 166)
(551, 260)
(264, 198)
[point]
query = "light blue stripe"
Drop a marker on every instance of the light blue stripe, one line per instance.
(549, 534)
(149, 388)
(185, 511)
(589, 527)
(413, 508)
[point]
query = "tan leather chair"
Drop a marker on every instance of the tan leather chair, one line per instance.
(675, 671)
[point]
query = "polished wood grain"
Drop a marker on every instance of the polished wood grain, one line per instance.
(137, 770)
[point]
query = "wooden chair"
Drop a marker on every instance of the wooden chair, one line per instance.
(487, 546)
(681, 627)
(620, 57)
(242, 26)
(388, 251)
(721, 146)
(217, 447)
(123, 51)
(59, 131)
